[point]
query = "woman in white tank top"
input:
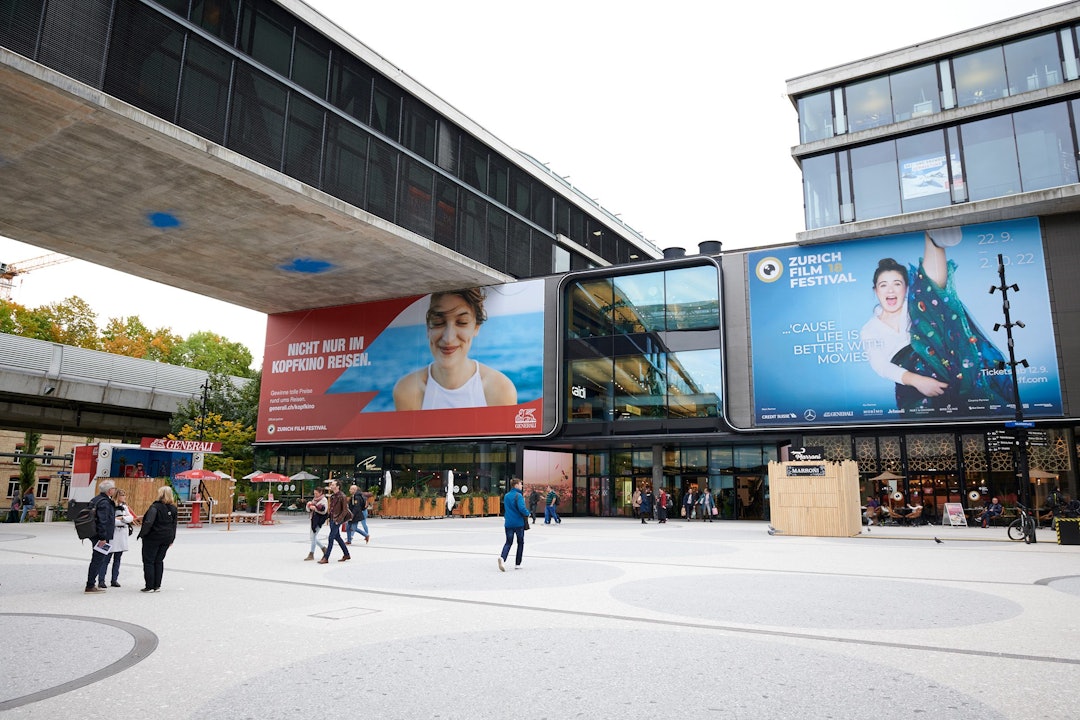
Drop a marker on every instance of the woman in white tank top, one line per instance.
(453, 379)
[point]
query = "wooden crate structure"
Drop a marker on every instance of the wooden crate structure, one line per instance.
(142, 492)
(815, 498)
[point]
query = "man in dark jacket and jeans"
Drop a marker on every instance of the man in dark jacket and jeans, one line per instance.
(339, 514)
(104, 526)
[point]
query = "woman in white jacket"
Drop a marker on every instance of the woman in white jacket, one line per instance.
(124, 519)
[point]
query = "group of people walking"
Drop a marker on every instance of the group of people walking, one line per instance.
(114, 524)
(340, 512)
(696, 503)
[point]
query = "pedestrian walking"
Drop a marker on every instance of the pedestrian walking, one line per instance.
(688, 503)
(647, 501)
(158, 532)
(339, 515)
(104, 529)
(358, 508)
(534, 500)
(707, 505)
(28, 501)
(515, 522)
(663, 500)
(551, 507)
(317, 508)
(635, 501)
(120, 542)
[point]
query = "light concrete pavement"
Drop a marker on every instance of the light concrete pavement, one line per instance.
(607, 618)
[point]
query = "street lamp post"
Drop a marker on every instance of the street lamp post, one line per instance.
(1022, 471)
(202, 412)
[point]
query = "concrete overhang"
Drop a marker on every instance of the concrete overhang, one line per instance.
(83, 174)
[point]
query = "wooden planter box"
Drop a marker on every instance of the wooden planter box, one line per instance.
(411, 507)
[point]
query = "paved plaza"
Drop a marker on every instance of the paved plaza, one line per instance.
(607, 618)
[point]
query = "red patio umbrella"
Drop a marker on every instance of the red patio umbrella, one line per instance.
(270, 477)
(198, 474)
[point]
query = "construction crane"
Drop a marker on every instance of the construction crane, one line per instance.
(9, 271)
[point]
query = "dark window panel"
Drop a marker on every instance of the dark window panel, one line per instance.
(449, 143)
(73, 38)
(562, 217)
(496, 244)
(386, 109)
(266, 34)
(346, 161)
(350, 86)
(474, 228)
(474, 163)
(144, 60)
(518, 249)
(498, 179)
(311, 61)
(577, 227)
(446, 213)
(542, 201)
(990, 164)
(217, 17)
(304, 139)
(19, 22)
(418, 133)
(257, 120)
(416, 212)
(204, 89)
(1044, 143)
(520, 193)
(381, 180)
(875, 180)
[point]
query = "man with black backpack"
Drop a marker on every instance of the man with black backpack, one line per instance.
(104, 526)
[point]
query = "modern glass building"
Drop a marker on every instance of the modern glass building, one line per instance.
(695, 371)
(280, 85)
(950, 159)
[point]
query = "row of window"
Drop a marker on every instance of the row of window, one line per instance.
(47, 452)
(337, 152)
(1027, 150)
(258, 81)
(644, 346)
(988, 73)
(41, 490)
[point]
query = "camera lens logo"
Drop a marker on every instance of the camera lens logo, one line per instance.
(769, 269)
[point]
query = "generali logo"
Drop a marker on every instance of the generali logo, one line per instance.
(525, 419)
(182, 445)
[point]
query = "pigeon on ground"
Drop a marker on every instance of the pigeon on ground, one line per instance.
(939, 542)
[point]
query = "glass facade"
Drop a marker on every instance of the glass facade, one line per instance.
(1022, 151)
(645, 345)
(249, 75)
(969, 78)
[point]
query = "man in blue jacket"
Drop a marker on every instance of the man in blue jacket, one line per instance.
(515, 517)
(105, 526)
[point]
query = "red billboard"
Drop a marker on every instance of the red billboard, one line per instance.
(465, 363)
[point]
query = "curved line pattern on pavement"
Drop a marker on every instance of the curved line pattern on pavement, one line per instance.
(146, 643)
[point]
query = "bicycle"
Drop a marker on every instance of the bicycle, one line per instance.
(1023, 528)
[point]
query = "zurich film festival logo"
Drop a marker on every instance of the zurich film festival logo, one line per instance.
(525, 419)
(769, 269)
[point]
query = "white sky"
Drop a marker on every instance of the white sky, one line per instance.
(671, 114)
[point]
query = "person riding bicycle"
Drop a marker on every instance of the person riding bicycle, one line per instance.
(990, 511)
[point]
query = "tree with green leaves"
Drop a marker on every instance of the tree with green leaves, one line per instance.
(230, 416)
(28, 464)
(213, 353)
(73, 322)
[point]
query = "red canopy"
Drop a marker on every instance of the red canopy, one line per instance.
(197, 474)
(270, 477)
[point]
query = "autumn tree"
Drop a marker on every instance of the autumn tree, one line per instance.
(74, 322)
(129, 336)
(230, 417)
(28, 464)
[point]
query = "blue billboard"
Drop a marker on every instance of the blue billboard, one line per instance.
(901, 328)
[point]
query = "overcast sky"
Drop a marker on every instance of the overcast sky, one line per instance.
(672, 114)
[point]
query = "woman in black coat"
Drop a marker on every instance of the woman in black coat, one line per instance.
(157, 534)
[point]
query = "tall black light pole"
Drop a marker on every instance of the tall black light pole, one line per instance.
(202, 412)
(1023, 476)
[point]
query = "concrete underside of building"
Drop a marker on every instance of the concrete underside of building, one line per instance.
(95, 178)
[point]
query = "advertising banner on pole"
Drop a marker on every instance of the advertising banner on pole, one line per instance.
(900, 328)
